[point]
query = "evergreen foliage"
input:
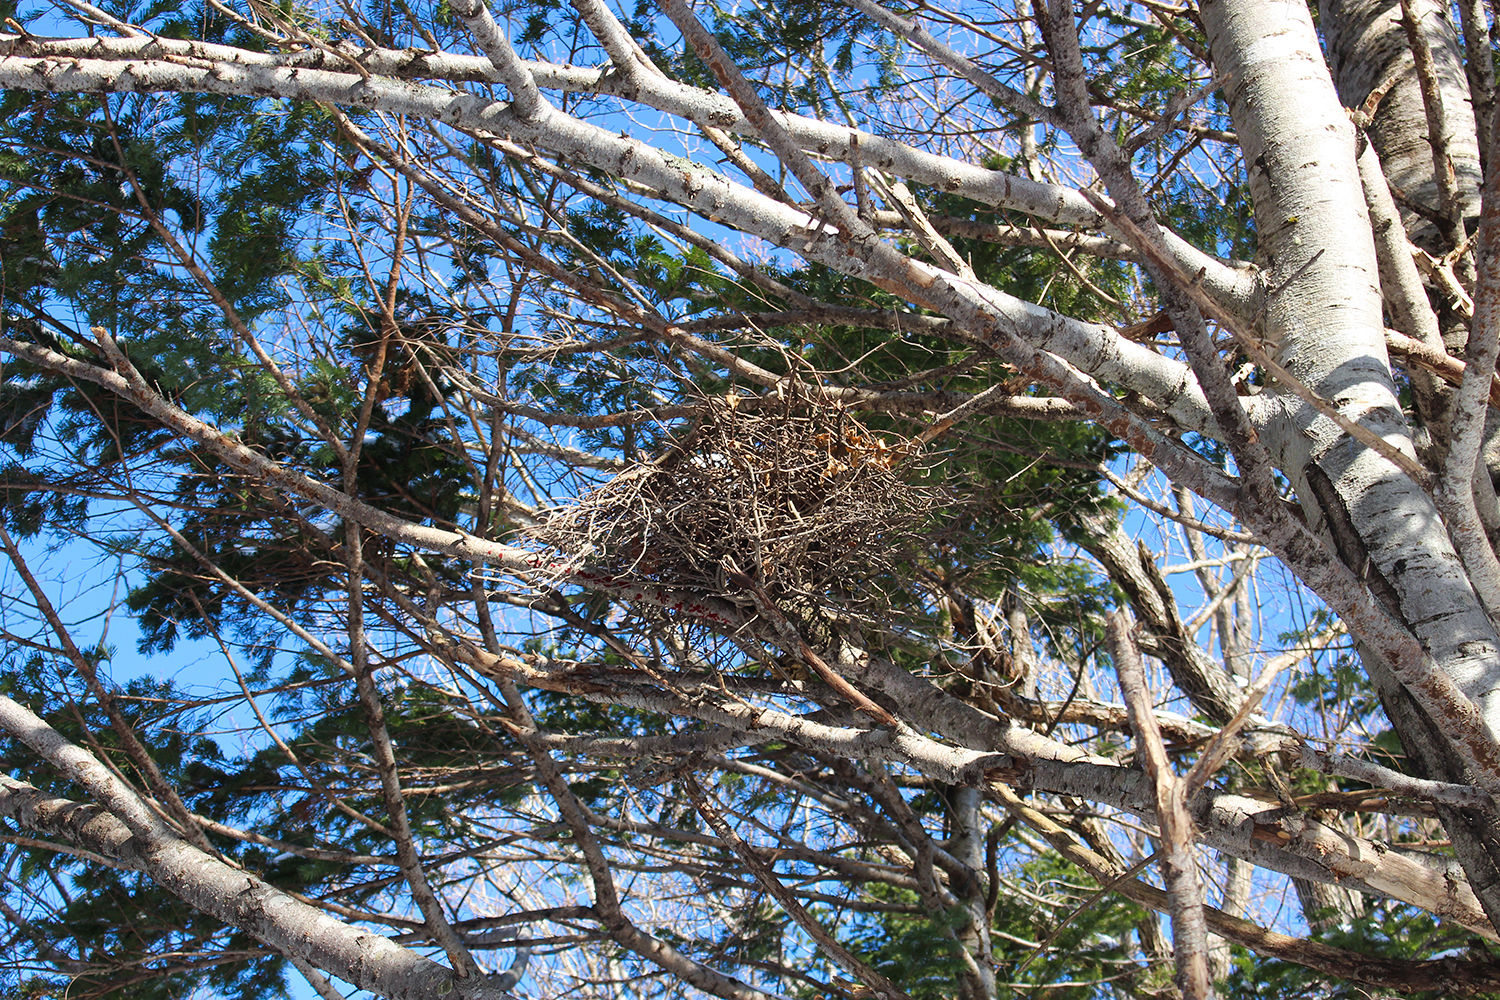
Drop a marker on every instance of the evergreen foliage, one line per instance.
(465, 707)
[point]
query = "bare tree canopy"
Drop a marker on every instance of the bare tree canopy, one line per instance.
(791, 500)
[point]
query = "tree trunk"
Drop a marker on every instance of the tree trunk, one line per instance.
(1327, 328)
(1367, 46)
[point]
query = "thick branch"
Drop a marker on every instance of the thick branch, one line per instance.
(238, 898)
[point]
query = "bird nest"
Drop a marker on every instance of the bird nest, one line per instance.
(796, 494)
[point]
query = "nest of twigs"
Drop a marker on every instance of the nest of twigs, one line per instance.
(792, 492)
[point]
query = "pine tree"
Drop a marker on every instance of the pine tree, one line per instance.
(754, 501)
